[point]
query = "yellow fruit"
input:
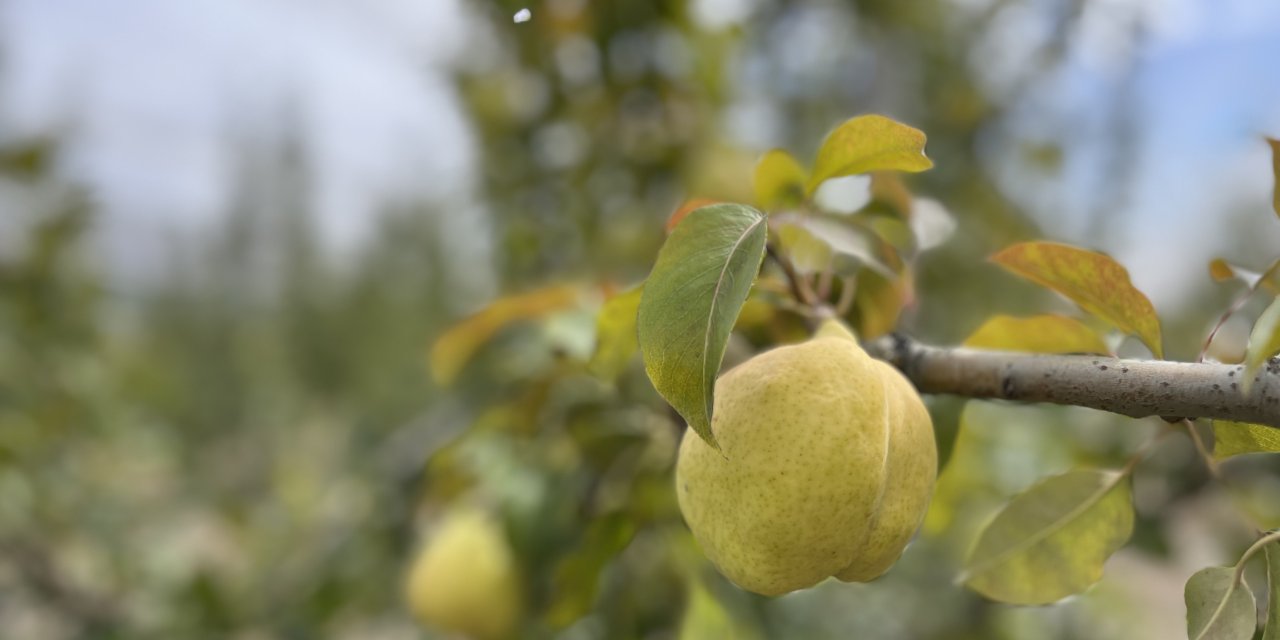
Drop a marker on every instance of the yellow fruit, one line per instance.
(465, 579)
(826, 467)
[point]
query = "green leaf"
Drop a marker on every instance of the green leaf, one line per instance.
(616, 338)
(1051, 541)
(1275, 171)
(779, 180)
(577, 577)
(1235, 438)
(1219, 607)
(1049, 333)
(980, 474)
(1264, 341)
(869, 143)
(706, 617)
(1092, 280)
(691, 301)
(685, 208)
(1272, 554)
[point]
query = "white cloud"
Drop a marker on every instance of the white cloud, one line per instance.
(152, 97)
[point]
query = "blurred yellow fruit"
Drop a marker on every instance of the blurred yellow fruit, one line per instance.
(464, 580)
(828, 464)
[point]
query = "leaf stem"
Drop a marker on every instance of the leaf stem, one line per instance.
(848, 287)
(824, 283)
(800, 289)
(1265, 540)
(1214, 470)
(1236, 305)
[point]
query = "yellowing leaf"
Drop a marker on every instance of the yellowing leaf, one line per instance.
(868, 143)
(1092, 280)
(616, 338)
(691, 301)
(1219, 607)
(1220, 270)
(454, 349)
(1052, 540)
(1235, 438)
(1050, 333)
(879, 301)
(1272, 631)
(779, 180)
(1264, 340)
(1275, 171)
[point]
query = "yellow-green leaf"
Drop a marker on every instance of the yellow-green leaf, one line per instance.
(1095, 281)
(879, 301)
(779, 180)
(706, 617)
(453, 349)
(1272, 553)
(1235, 438)
(1049, 333)
(1264, 340)
(616, 338)
(869, 143)
(1052, 540)
(1275, 172)
(1219, 607)
(691, 301)
(999, 450)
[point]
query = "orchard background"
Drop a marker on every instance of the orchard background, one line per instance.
(280, 288)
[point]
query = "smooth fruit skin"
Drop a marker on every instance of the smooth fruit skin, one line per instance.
(826, 467)
(465, 579)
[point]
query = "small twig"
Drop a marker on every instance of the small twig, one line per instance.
(1236, 305)
(789, 270)
(1253, 549)
(824, 283)
(1201, 449)
(799, 286)
(848, 287)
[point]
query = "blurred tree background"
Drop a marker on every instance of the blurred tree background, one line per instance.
(251, 443)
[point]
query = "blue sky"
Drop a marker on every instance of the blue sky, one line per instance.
(151, 90)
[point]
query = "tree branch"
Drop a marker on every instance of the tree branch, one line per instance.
(1135, 388)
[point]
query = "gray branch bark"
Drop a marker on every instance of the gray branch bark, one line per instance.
(1135, 388)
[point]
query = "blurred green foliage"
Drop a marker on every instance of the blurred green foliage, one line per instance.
(253, 446)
